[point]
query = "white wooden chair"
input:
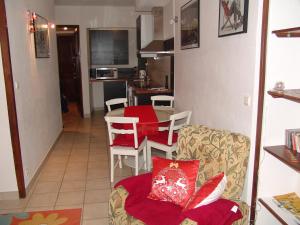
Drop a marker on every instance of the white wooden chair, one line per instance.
(167, 140)
(115, 101)
(125, 141)
(163, 98)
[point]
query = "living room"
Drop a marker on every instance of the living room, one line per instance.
(219, 82)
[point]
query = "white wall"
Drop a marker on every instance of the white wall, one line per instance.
(96, 17)
(7, 171)
(213, 80)
(282, 65)
(38, 97)
(168, 15)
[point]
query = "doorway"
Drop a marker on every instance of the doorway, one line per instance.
(68, 47)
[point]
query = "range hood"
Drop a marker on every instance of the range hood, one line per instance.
(152, 43)
(157, 47)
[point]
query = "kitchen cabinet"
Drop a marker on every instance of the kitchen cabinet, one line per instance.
(108, 47)
(143, 96)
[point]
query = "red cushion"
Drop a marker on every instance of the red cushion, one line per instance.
(209, 192)
(162, 137)
(173, 181)
(126, 140)
(119, 126)
(164, 124)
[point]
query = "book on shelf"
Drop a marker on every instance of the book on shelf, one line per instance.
(297, 142)
(290, 202)
(292, 139)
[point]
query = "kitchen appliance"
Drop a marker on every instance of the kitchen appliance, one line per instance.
(150, 35)
(106, 73)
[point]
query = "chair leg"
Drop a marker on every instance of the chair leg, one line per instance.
(137, 164)
(145, 157)
(120, 161)
(112, 167)
(149, 160)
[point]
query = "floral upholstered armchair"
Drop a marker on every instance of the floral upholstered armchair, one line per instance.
(218, 151)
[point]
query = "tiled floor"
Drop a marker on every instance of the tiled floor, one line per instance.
(76, 173)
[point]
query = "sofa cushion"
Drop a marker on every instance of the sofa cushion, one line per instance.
(209, 192)
(173, 181)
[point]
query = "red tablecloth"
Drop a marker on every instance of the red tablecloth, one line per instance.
(148, 122)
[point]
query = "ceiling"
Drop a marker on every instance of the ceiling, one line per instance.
(140, 5)
(96, 2)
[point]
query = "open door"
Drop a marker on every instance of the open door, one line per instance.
(69, 65)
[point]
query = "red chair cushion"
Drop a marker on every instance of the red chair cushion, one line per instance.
(126, 140)
(162, 137)
(173, 181)
(164, 124)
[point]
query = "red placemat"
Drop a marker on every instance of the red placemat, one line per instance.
(148, 122)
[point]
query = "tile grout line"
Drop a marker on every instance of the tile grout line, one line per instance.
(69, 156)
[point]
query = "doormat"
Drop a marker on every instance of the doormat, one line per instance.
(51, 217)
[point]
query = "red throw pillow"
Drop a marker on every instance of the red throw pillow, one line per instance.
(209, 192)
(173, 181)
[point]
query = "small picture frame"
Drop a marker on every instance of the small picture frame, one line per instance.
(233, 17)
(189, 17)
(41, 37)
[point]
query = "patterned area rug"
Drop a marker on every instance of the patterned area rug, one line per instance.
(51, 217)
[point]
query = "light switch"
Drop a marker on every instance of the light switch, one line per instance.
(247, 100)
(17, 86)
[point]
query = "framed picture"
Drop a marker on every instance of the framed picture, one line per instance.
(41, 37)
(189, 16)
(233, 16)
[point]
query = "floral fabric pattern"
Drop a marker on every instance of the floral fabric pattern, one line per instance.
(218, 151)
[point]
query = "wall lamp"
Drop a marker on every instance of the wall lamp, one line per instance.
(32, 16)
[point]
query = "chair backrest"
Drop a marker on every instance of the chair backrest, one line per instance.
(129, 122)
(163, 98)
(177, 121)
(218, 151)
(115, 101)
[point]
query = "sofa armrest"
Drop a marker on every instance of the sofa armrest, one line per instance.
(116, 210)
(245, 211)
(118, 215)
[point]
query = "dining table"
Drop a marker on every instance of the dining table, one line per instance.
(152, 119)
(163, 113)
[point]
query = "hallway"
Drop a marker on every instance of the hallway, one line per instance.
(76, 173)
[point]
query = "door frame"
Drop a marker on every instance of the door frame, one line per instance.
(260, 108)
(80, 103)
(11, 104)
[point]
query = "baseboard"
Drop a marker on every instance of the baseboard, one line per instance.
(33, 179)
(98, 109)
(10, 195)
(88, 115)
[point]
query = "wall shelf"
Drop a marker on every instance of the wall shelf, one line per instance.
(282, 215)
(288, 33)
(285, 155)
(290, 94)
